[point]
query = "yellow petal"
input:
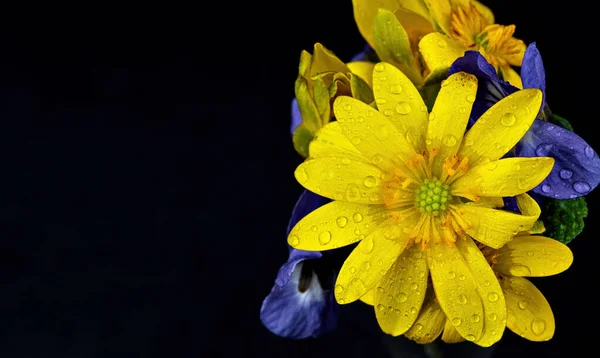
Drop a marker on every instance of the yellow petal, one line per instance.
(450, 334)
(534, 256)
(329, 141)
(449, 117)
(493, 227)
(370, 260)
(439, 52)
(504, 177)
(415, 25)
(528, 206)
(494, 305)
(363, 69)
(342, 179)
(400, 293)
(429, 323)
(308, 110)
(501, 126)
(400, 101)
(372, 134)
(458, 297)
(322, 101)
(334, 225)
(485, 11)
(441, 14)
(369, 297)
(529, 314)
(364, 15)
(393, 45)
(511, 76)
(416, 6)
(323, 60)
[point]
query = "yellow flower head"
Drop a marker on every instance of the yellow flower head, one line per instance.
(415, 190)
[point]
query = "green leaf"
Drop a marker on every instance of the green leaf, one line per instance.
(563, 122)
(322, 101)
(360, 89)
(301, 139)
(564, 219)
(308, 110)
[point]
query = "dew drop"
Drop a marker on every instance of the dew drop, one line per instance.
(341, 221)
(543, 149)
(301, 175)
(370, 181)
(396, 89)
(546, 188)
(462, 299)
(380, 289)
(366, 245)
(324, 237)
(352, 269)
(589, 152)
(470, 337)
(356, 140)
(314, 228)
(379, 67)
(357, 217)
(352, 192)
(487, 283)
(493, 316)
(493, 296)
(456, 321)
(388, 112)
(413, 310)
(380, 307)
(422, 274)
(418, 326)
(366, 266)
(431, 116)
(522, 305)
(469, 142)
(403, 108)
(450, 140)
(442, 44)
(462, 277)
(414, 286)
(538, 326)
(581, 187)
(471, 98)
(530, 253)
(377, 159)
(508, 119)
(326, 175)
(402, 297)
(566, 173)
(383, 78)
(452, 274)
(346, 161)
(294, 240)
(338, 289)
(476, 318)
(347, 107)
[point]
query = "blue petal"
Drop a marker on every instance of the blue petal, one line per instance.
(296, 116)
(362, 56)
(287, 269)
(289, 313)
(490, 88)
(532, 70)
(576, 169)
(307, 202)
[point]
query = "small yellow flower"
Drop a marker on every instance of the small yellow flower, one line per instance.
(415, 191)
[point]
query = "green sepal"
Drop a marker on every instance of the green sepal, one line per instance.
(308, 110)
(322, 101)
(560, 121)
(301, 139)
(564, 219)
(360, 89)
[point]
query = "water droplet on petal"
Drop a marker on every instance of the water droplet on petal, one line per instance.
(388, 112)
(347, 107)
(396, 89)
(519, 270)
(566, 173)
(476, 318)
(352, 192)
(357, 217)
(530, 253)
(294, 240)
(403, 108)
(377, 159)
(413, 310)
(493, 296)
(341, 221)
(442, 44)
(380, 307)
(522, 305)
(462, 299)
(366, 245)
(356, 140)
(338, 289)
(380, 289)
(450, 140)
(301, 175)
(493, 316)
(470, 337)
(431, 116)
(456, 321)
(589, 152)
(314, 228)
(508, 119)
(324, 237)
(366, 266)
(538, 326)
(418, 326)
(402, 297)
(581, 187)
(471, 98)
(546, 188)
(352, 269)
(543, 149)
(379, 67)
(414, 286)
(346, 161)
(370, 181)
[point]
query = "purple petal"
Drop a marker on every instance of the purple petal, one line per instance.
(490, 88)
(289, 313)
(287, 269)
(296, 116)
(307, 202)
(577, 166)
(362, 56)
(532, 70)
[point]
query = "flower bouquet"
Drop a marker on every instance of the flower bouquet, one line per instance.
(437, 180)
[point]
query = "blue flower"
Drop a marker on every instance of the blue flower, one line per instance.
(299, 305)
(577, 166)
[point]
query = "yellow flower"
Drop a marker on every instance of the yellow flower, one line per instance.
(414, 190)
(447, 27)
(322, 77)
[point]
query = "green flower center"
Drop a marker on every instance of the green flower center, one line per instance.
(432, 196)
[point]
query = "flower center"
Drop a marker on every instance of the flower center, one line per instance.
(432, 197)
(467, 26)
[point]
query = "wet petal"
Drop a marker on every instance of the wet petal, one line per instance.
(485, 11)
(511, 76)
(363, 69)
(493, 227)
(504, 177)
(342, 179)
(371, 259)
(296, 257)
(450, 334)
(400, 293)
(457, 297)
(501, 126)
(494, 305)
(577, 166)
(330, 141)
(529, 314)
(533, 256)
(532, 70)
(491, 88)
(441, 14)
(372, 134)
(449, 117)
(439, 52)
(429, 323)
(307, 202)
(289, 313)
(364, 15)
(400, 101)
(335, 225)
(369, 297)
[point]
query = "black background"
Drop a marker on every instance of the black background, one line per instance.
(147, 176)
